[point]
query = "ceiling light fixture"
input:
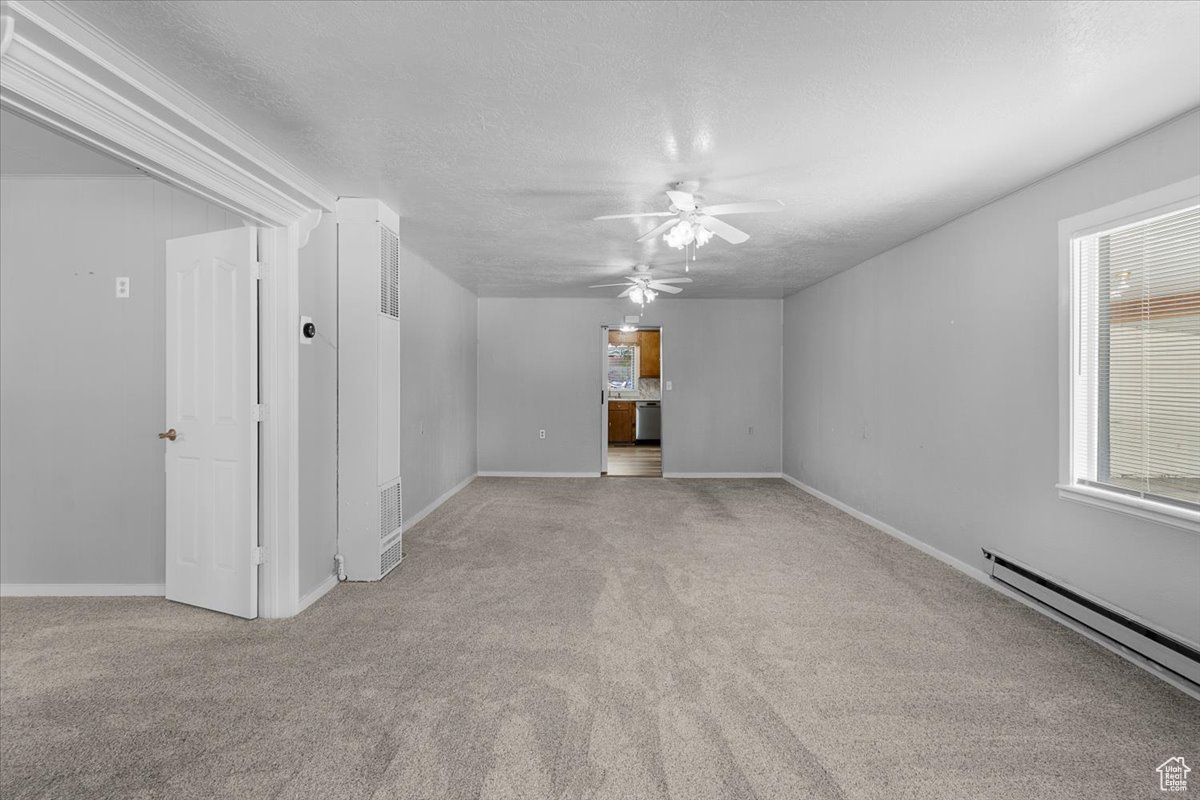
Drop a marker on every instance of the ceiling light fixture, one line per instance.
(642, 295)
(688, 232)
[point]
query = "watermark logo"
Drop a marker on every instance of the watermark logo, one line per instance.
(1172, 775)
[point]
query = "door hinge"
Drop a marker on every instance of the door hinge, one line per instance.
(260, 412)
(257, 270)
(258, 556)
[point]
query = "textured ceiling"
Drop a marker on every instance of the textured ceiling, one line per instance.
(29, 149)
(498, 130)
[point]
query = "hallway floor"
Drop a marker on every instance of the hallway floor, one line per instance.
(635, 461)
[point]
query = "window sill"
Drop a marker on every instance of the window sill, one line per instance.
(1162, 513)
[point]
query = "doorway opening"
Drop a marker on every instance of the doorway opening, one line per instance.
(632, 395)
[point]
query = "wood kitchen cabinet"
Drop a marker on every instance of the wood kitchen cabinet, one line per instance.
(622, 422)
(648, 353)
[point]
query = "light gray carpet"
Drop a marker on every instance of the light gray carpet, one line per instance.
(615, 638)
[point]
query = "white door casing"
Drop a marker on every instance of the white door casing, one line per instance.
(211, 404)
(603, 399)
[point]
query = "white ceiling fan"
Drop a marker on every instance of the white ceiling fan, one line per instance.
(641, 288)
(691, 221)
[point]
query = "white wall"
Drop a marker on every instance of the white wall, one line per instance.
(437, 383)
(539, 368)
(318, 407)
(82, 375)
(921, 387)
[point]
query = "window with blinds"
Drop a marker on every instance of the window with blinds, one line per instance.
(1136, 393)
(622, 366)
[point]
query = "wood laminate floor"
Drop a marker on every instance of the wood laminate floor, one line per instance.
(635, 461)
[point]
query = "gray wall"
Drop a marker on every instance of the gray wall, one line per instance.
(82, 375)
(539, 368)
(921, 387)
(437, 383)
(318, 407)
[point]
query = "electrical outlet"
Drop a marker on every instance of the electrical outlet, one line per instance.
(668, 386)
(122, 288)
(542, 434)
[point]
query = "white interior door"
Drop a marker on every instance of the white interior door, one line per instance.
(211, 430)
(603, 399)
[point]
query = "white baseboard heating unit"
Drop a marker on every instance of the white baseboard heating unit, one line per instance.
(1167, 651)
(370, 513)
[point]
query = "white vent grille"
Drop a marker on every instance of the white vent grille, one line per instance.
(391, 557)
(389, 274)
(391, 513)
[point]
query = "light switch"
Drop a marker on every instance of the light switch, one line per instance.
(122, 288)
(668, 386)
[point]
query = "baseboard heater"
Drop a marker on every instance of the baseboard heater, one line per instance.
(1167, 651)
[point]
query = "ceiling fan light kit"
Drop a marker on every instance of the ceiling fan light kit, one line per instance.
(687, 232)
(694, 224)
(642, 288)
(642, 296)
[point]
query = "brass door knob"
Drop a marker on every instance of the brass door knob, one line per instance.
(171, 434)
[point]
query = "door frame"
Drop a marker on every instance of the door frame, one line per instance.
(65, 74)
(604, 329)
(604, 400)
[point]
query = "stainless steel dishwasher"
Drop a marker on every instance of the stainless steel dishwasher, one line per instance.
(649, 421)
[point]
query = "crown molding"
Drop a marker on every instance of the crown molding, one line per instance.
(71, 77)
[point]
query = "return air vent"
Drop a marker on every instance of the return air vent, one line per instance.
(391, 514)
(389, 274)
(391, 557)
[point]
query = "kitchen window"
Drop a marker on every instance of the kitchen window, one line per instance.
(1132, 390)
(622, 367)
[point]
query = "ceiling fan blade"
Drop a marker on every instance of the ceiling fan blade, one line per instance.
(672, 280)
(658, 287)
(723, 229)
(635, 216)
(684, 201)
(607, 285)
(759, 206)
(627, 291)
(660, 229)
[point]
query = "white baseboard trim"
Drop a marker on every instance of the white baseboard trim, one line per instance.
(316, 594)
(82, 589)
(927, 549)
(722, 475)
(443, 497)
(1137, 659)
(490, 474)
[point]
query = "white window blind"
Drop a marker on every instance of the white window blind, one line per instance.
(1136, 392)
